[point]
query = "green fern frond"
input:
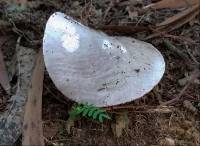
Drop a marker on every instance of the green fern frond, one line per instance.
(89, 111)
(97, 113)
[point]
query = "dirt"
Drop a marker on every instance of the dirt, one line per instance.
(147, 126)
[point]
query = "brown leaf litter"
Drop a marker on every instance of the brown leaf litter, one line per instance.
(150, 123)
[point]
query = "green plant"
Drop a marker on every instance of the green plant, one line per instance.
(89, 111)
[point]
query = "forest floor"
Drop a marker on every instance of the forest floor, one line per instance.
(155, 119)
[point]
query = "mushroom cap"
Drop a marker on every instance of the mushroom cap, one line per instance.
(88, 66)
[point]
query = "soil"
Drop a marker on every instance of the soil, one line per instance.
(148, 124)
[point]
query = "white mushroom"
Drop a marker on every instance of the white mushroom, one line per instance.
(90, 66)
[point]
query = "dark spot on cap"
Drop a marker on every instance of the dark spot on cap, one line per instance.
(117, 57)
(106, 45)
(104, 84)
(137, 70)
(117, 82)
(66, 17)
(100, 89)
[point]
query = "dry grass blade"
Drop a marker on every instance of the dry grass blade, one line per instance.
(171, 4)
(176, 21)
(32, 126)
(188, 14)
(4, 81)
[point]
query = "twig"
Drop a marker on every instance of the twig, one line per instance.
(139, 20)
(176, 21)
(175, 50)
(194, 75)
(48, 141)
(143, 107)
(32, 125)
(174, 37)
(127, 107)
(122, 30)
(108, 9)
(190, 54)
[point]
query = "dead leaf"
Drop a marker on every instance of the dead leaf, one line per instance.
(69, 124)
(121, 124)
(132, 12)
(12, 119)
(187, 78)
(51, 128)
(167, 142)
(32, 126)
(172, 4)
(189, 106)
(4, 81)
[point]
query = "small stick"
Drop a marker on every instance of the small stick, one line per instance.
(194, 75)
(32, 126)
(174, 37)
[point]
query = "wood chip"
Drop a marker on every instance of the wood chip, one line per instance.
(121, 124)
